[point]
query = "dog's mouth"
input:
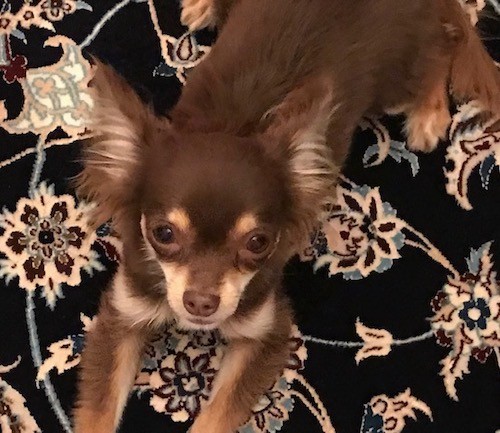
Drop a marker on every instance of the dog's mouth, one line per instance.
(201, 322)
(198, 324)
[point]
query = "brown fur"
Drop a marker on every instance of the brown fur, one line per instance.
(99, 181)
(111, 347)
(260, 132)
(473, 74)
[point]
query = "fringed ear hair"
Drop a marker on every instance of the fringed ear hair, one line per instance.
(298, 126)
(119, 121)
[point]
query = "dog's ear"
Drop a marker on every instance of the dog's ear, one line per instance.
(298, 128)
(119, 122)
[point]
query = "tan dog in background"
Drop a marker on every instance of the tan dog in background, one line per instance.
(212, 203)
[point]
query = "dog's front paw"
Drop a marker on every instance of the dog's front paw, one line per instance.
(198, 14)
(425, 128)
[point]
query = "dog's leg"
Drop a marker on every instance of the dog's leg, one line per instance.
(250, 366)
(198, 14)
(428, 119)
(108, 367)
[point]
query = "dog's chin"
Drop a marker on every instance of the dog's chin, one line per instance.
(194, 324)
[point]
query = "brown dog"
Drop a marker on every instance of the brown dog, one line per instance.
(211, 204)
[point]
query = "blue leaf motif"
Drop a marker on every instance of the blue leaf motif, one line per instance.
(78, 342)
(19, 35)
(475, 257)
(369, 154)
(397, 151)
(80, 4)
(485, 170)
(371, 423)
(164, 70)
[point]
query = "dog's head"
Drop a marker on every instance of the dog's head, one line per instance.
(217, 213)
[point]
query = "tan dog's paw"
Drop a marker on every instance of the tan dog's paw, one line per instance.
(198, 14)
(425, 128)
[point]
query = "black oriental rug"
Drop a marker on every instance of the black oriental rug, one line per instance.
(397, 299)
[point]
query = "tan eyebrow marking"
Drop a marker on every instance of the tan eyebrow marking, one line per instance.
(179, 218)
(245, 224)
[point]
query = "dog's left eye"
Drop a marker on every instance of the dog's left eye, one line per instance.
(164, 234)
(258, 243)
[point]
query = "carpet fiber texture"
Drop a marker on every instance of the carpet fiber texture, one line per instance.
(397, 299)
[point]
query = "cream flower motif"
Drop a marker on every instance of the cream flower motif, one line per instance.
(47, 243)
(361, 235)
(55, 95)
(377, 342)
(271, 411)
(182, 55)
(65, 353)
(38, 15)
(8, 22)
(388, 414)
(179, 368)
(160, 344)
(27, 16)
(56, 10)
(14, 415)
(298, 355)
(467, 317)
(182, 383)
(475, 143)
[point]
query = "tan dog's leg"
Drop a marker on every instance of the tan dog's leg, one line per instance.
(429, 118)
(108, 367)
(248, 370)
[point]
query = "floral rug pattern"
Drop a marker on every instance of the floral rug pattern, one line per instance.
(397, 298)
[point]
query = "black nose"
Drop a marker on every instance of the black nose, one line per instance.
(200, 304)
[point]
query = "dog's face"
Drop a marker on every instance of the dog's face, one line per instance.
(213, 208)
(217, 213)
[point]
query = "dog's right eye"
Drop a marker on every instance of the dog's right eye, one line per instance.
(164, 234)
(258, 243)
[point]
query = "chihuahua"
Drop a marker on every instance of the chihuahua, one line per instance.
(211, 202)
